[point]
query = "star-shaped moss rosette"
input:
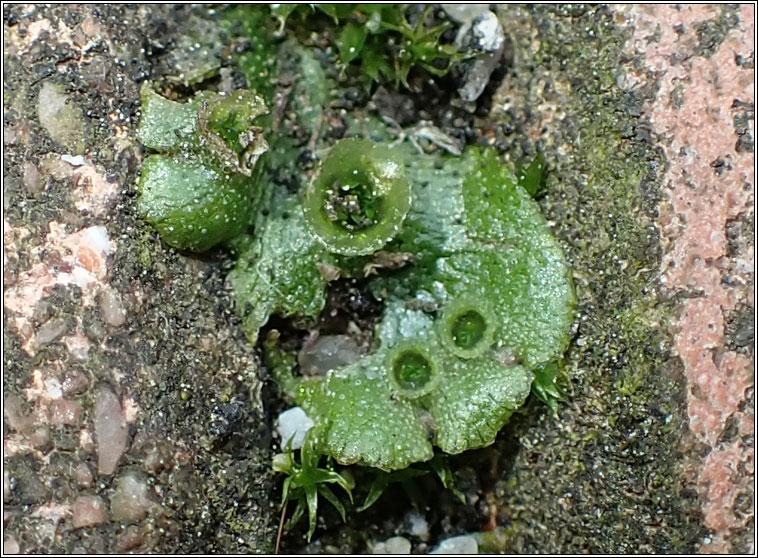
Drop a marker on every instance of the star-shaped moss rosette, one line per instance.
(199, 190)
(306, 481)
(487, 301)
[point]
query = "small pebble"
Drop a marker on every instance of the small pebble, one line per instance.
(132, 537)
(88, 511)
(10, 546)
(14, 415)
(326, 353)
(112, 308)
(397, 545)
(131, 502)
(32, 178)
(110, 431)
(83, 475)
(63, 411)
(417, 525)
(74, 383)
(7, 487)
(462, 13)
(293, 423)
(463, 544)
(59, 116)
(73, 160)
(77, 345)
(50, 331)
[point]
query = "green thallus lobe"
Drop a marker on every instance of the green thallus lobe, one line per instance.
(198, 191)
(497, 293)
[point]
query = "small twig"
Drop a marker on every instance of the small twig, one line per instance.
(316, 132)
(281, 99)
(281, 527)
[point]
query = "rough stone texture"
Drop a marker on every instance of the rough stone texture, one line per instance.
(117, 351)
(60, 118)
(89, 511)
(703, 115)
(612, 101)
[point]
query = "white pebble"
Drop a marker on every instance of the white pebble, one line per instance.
(74, 161)
(397, 545)
(293, 423)
(463, 544)
(417, 525)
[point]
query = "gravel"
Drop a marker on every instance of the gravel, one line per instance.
(112, 308)
(131, 502)
(88, 511)
(416, 525)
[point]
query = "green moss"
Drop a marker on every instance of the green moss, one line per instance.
(601, 197)
(306, 481)
(385, 42)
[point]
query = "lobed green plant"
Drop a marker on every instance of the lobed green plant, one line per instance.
(196, 190)
(476, 318)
